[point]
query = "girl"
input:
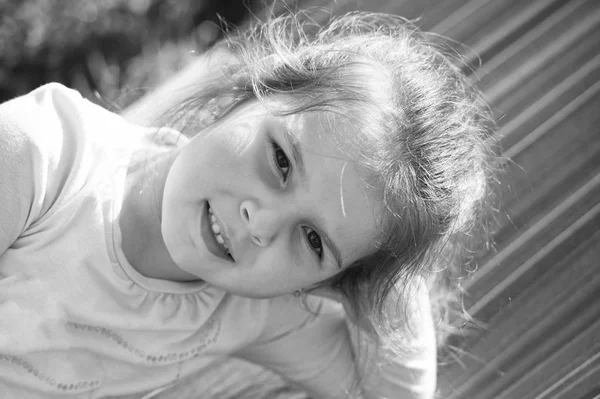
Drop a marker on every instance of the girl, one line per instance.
(312, 224)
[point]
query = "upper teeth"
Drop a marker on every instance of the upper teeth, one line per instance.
(214, 225)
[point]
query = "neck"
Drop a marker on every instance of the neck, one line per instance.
(140, 220)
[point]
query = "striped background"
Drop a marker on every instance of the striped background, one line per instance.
(537, 295)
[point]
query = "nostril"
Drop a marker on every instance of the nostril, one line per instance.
(246, 208)
(254, 223)
(257, 240)
(245, 214)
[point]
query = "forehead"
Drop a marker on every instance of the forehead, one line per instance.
(338, 127)
(337, 182)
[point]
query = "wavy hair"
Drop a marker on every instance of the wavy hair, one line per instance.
(422, 129)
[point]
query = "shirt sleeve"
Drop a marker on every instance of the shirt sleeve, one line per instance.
(35, 156)
(317, 352)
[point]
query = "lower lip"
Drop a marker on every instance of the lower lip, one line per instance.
(209, 238)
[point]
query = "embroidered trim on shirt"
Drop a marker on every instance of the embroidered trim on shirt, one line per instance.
(63, 386)
(210, 332)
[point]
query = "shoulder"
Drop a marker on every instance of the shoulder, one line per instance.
(31, 148)
(41, 127)
(50, 114)
(39, 113)
(29, 122)
(48, 144)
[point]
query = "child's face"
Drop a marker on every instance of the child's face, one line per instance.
(287, 202)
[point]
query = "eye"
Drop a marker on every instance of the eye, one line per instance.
(314, 242)
(280, 161)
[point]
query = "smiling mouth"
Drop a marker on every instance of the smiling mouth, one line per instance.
(216, 243)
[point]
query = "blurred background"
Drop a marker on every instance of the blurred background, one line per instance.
(112, 51)
(536, 295)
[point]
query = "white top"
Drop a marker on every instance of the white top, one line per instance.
(76, 318)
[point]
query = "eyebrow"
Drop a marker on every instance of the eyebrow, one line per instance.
(294, 145)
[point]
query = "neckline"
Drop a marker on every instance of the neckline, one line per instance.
(115, 240)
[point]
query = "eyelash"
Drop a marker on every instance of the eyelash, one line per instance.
(275, 148)
(284, 175)
(317, 251)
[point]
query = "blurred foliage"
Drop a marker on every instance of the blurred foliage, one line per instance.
(112, 51)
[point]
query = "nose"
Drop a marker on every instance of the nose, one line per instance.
(263, 223)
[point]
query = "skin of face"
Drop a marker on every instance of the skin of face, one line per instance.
(277, 187)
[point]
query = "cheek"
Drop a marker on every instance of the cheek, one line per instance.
(280, 258)
(215, 159)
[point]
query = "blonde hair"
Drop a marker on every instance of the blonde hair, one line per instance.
(429, 146)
